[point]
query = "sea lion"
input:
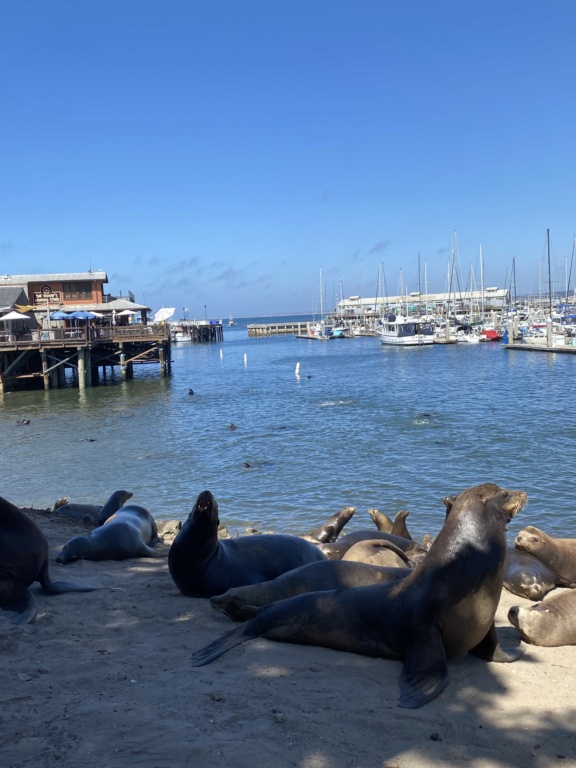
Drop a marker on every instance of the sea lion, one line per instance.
(557, 554)
(378, 552)
(86, 513)
(551, 622)
(332, 527)
(241, 603)
(444, 608)
(526, 576)
(385, 525)
(201, 565)
(381, 520)
(23, 560)
(114, 503)
(336, 550)
(129, 532)
(94, 514)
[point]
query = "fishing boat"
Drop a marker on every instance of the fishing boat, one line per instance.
(405, 331)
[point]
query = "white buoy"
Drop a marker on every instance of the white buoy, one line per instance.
(297, 371)
(221, 354)
(245, 359)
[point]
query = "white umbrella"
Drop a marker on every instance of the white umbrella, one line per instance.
(127, 312)
(164, 314)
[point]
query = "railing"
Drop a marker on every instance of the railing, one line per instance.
(84, 335)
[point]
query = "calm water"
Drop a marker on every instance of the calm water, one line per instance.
(362, 425)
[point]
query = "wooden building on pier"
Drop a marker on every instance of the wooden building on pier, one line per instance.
(62, 329)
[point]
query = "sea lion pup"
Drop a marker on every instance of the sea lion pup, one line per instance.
(557, 554)
(23, 560)
(202, 565)
(526, 576)
(551, 622)
(242, 603)
(114, 503)
(129, 532)
(444, 608)
(331, 528)
(336, 550)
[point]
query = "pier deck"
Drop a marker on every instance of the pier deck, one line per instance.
(43, 358)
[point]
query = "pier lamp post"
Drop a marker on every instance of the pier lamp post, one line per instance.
(205, 315)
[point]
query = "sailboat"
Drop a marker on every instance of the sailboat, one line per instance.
(317, 331)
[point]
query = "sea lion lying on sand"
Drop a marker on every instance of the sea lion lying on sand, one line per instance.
(444, 608)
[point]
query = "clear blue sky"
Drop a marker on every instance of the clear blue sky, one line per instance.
(222, 152)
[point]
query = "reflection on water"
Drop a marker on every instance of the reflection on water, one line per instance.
(360, 425)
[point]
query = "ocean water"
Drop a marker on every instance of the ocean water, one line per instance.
(361, 425)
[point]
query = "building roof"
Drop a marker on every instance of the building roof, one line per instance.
(12, 294)
(53, 277)
(108, 307)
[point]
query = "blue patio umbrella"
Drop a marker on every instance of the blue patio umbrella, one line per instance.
(59, 315)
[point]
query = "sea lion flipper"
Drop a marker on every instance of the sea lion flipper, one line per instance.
(490, 649)
(425, 671)
(220, 646)
(58, 587)
(17, 603)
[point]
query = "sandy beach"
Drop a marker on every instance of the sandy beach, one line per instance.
(103, 679)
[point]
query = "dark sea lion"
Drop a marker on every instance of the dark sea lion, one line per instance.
(202, 565)
(526, 576)
(23, 560)
(336, 550)
(557, 554)
(551, 622)
(378, 552)
(241, 603)
(444, 608)
(332, 527)
(130, 532)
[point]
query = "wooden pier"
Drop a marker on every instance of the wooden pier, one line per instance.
(278, 329)
(43, 358)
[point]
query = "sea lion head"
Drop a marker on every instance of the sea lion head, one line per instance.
(76, 549)
(205, 509)
(529, 539)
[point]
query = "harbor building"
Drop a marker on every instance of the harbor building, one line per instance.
(62, 329)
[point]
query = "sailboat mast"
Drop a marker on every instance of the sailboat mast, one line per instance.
(482, 282)
(549, 275)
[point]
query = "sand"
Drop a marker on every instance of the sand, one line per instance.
(103, 679)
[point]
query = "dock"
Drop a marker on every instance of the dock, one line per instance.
(59, 357)
(567, 350)
(297, 328)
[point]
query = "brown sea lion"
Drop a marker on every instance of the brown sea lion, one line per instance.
(202, 565)
(557, 554)
(551, 622)
(23, 560)
(336, 550)
(526, 576)
(378, 552)
(332, 527)
(241, 603)
(385, 525)
(444, 608)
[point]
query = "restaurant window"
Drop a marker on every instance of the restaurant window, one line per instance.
(77, 290)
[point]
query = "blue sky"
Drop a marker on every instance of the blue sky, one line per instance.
(220, 153)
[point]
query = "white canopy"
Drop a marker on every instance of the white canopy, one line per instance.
(15, 316)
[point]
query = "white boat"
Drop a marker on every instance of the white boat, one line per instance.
(405, 331)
